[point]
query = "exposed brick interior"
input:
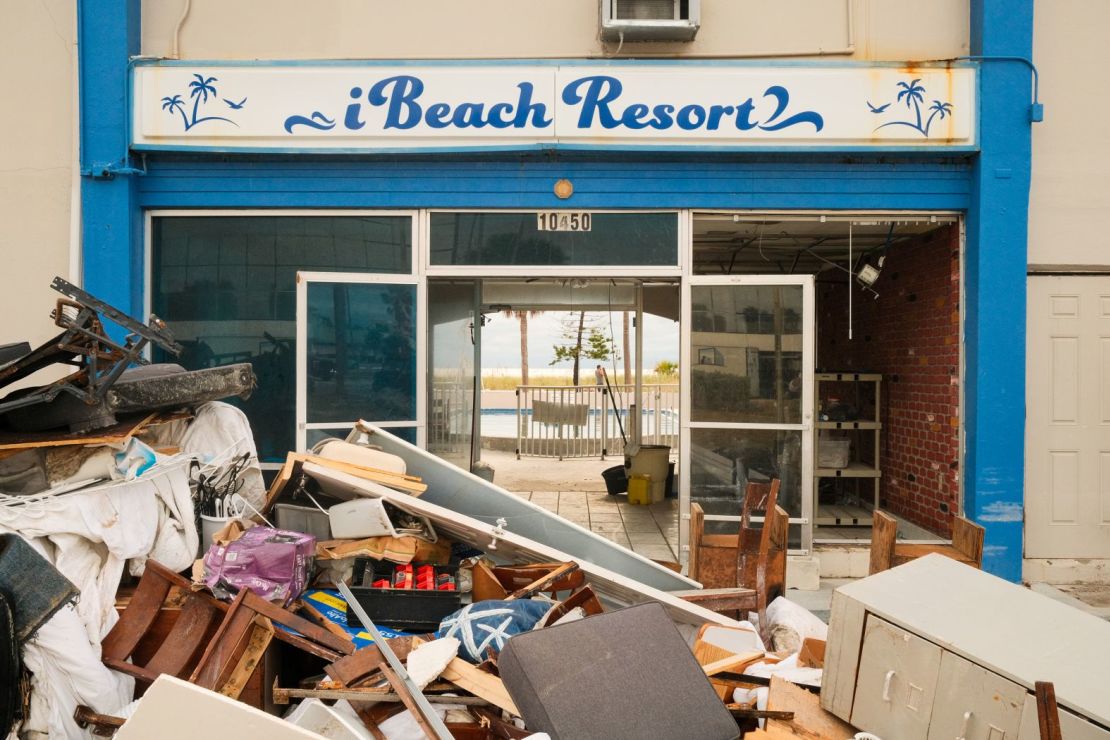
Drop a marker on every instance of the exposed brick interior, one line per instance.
(910, 334)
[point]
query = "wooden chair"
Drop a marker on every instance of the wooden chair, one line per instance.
(754, 558)
(175, 652)
(208, 640)
(886, 552)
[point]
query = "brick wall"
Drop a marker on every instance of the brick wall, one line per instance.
(910, 334)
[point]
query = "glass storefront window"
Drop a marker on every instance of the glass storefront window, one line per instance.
(226, 286)
(514, 239)
(746, 353)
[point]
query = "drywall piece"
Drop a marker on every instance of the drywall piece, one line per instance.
(456, 489)
(429, 659)
(173, 709)
(318, 717)
(505, 546)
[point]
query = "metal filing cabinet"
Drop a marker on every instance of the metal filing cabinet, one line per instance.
(935, 649)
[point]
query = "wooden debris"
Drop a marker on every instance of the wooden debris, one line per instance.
(812, 653)
(1048, 715)
(479, 683)
(810, 720)
(365, 694)
(548, 582)
(733, 662)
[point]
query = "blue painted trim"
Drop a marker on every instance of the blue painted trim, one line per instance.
(995, 285)
(606, 63)
(598, 148)
(108, 35)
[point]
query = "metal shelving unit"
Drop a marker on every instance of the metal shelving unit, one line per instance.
(861, 432)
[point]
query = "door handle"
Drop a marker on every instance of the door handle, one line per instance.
(963, 729)
(886, 685)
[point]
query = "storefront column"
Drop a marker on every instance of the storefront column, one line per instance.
(995, 284)
(112, 265)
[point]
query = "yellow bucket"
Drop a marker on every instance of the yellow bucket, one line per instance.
(639, 489)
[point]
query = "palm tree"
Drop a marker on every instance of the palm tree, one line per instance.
(199, 90)
(175, 104)
(912, 92)
(522, 317)
(938, 109)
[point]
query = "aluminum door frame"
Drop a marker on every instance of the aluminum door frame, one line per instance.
(809, 359)
(421, 369)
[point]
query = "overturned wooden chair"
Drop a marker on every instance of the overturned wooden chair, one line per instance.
(754, 558)
(887, 552)
(144, 644)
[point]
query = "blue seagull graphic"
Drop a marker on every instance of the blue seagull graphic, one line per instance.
(880, 109)
(237, 106)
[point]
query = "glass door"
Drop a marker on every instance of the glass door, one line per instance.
(454, 341)
(359, 355)
(747, 382)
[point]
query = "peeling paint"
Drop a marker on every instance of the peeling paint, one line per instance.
(1002, 511)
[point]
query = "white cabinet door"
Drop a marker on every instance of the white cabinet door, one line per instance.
(896, 682)
(973, 703)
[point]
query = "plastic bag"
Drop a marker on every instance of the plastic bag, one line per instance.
(273, 563)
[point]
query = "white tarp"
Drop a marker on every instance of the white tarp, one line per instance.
(89, 535)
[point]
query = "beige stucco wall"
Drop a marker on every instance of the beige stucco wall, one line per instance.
(427, 29)
(37, 50)
(1069, 205)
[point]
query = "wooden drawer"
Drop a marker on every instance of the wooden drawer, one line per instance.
(896, 682)
(973, 703)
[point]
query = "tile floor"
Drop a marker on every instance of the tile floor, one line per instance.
(651, 531)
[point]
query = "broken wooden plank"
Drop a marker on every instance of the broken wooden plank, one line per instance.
(733, 662)
(742, 712)
(1048, 715)
(810, 720)
(812, 653)
(491, 688)
(544, 582)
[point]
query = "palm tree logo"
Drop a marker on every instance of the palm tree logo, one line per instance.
(913, 95)
(175, 104)
(200, 89)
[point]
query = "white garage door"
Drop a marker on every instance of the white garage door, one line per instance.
(1067, 440)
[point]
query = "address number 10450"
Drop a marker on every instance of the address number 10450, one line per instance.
(563, 221)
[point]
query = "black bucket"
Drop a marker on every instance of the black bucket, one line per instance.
(616, 480)
(672, 492)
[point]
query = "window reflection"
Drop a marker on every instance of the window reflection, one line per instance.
(226, 285)
(747, 353)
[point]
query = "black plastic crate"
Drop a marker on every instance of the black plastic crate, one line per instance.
(401, 608)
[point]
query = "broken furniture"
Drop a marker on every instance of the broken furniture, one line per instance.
(886, 552)
(236, 649)
(103, 386)
(858, 423)
(142, 646)
(935, 648)
(207, 641)
(624, 674)
(754, 558)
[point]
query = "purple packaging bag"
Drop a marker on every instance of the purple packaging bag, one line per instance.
(273, 563)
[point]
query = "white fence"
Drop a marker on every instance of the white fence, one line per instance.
(585, 421)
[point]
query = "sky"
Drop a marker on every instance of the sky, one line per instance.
(501, 339)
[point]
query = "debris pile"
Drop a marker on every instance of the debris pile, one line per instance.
(151, 585)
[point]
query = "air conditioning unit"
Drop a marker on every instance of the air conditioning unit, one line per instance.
(650, 20)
